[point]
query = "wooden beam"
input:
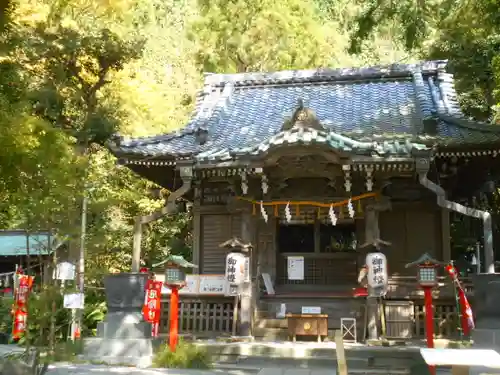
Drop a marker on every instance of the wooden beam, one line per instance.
(445, 234)
(340, 351)
(197, 233)
(246, 293)
(140, 220)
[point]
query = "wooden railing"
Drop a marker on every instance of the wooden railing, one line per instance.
(201, 315)
(405, 311)
(211, 316)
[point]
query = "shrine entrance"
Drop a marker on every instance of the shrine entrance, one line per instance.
(325, 254)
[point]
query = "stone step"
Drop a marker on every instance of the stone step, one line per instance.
(303, 351)
(310, 371)
(315, 368)
(271, 334)
(355, 362)
(270, 323)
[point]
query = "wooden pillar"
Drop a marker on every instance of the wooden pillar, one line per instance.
(246, 290)
(372, 239)
(197, 232)
(136, 249)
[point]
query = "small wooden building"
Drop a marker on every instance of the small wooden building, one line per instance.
(324, 165)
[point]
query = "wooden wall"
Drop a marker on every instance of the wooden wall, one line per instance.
(413, 229)
(216, 228)
(266, 246)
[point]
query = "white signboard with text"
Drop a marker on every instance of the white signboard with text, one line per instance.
(192, 286)
(377, 274)
(311, 310)
(295, 268)
(213, 284)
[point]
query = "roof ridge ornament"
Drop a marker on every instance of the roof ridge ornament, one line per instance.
(303, 117)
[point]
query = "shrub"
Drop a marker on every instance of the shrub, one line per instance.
(187, 355)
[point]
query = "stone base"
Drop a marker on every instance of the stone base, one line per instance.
(129, 352)
(486, 338)
(118, 330)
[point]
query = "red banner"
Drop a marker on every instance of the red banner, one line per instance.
(23, 289)
(467, 318)
(151, 310)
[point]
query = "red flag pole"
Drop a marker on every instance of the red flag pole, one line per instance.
(429, 321)
(174, 318)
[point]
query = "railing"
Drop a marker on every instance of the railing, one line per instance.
(406, 287)
(406, 319)
(201, 315)
(405, 312)
(210, 316)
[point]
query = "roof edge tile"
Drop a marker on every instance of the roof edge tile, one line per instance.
(324, 74)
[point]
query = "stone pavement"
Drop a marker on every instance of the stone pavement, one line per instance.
(80, 369)
(83, 369)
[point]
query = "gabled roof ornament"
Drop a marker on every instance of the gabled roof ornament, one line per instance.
(201, 136)
(303, 117)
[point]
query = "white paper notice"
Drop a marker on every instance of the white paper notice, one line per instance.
(295, 268)
(213, 284)
(73, 301)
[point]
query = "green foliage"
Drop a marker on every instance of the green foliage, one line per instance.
(43, 307)
(187, 355)
(6, 319)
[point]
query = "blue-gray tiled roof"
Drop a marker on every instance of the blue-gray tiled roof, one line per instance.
(376, 109)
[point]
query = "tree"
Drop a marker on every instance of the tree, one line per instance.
(261, 35)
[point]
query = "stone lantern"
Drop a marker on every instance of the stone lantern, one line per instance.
(175, 279)
(428, 279)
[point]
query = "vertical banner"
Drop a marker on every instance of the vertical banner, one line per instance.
(23, 289)
(467, 318)
(152, 309)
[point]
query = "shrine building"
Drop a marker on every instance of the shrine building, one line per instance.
(313, 169)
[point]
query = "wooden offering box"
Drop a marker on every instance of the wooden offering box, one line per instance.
(307, 325)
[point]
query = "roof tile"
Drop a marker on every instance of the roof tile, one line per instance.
(384, 106)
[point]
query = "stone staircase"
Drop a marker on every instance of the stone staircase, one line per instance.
(253, 357)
